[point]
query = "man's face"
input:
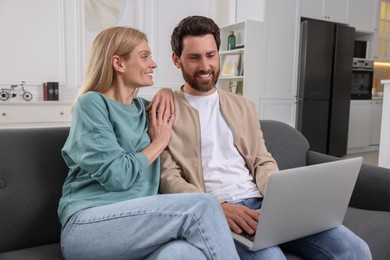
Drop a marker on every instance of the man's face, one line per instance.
(199, 63)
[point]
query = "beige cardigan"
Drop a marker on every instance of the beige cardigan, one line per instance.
(181, 166)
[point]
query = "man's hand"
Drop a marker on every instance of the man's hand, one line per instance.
(241, 218)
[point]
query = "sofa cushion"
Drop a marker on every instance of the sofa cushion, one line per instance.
(31, 178)
(47, 252)
(373, 227)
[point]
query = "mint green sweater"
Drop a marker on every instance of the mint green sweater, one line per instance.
(103, 153)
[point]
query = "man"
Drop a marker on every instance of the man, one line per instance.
(217, 147)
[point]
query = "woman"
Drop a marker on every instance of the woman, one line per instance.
(109, 208)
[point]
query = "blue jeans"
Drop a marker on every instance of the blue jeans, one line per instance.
(337, 243)
(181, 226)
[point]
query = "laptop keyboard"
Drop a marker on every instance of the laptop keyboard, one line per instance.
(247, 236)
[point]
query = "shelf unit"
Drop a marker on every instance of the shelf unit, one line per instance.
(248, 45)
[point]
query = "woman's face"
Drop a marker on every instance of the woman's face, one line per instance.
(139, 67)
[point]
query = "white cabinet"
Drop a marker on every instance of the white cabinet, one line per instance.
(384, 148)
(328, 10)
(283, 110)
(363, 15)
(375, 121)
(359, 124)
(382, 36)
(364, 125)
(312, 9)
(35, 114)
(279, 67)
(248, 41)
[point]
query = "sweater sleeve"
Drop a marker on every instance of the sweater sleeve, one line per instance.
(172, 180)
(92, 145)
(264, 164)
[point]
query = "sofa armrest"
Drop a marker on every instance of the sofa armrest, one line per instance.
(372, 188)
(313, 157)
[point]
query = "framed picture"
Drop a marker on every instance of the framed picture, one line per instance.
(230, 65)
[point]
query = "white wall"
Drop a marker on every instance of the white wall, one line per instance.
(250, 9)
(48, 40)
(39, 43)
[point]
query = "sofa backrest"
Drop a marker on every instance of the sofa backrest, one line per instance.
(32, 173)
(286, 144)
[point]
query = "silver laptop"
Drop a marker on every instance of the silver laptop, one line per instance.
(304, 201)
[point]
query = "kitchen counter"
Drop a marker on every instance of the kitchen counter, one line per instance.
(384, 148)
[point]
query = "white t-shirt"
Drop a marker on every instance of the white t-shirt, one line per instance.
(224, 171)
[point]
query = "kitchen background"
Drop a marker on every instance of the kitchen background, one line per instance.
(381, 72)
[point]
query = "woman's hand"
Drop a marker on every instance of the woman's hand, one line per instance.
(162, 103)
(160, 127)
(161, 118)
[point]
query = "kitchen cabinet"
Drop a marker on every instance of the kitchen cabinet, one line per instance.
(277, 68)
(283, 110)
(382, 36)
(328, 10)
(279, 71)
(363, 15)
(248, 45)
(35, 114)
(364, 125)
(384, 148)
(359, 124)
(375, 121)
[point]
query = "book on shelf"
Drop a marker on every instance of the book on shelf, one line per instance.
(51, 91)
(45, 92)
(230, 65)
(241, 68)
(239, 88)
(56, 91)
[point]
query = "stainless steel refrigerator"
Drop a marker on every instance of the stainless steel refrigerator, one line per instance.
(324, 85)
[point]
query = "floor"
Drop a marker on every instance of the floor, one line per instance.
(369, 157)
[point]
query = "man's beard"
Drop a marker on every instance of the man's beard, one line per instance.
(193, 81)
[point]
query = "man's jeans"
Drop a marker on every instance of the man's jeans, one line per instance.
(337, 243)
(174, 226)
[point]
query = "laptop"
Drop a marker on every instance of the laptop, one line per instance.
(304, 201)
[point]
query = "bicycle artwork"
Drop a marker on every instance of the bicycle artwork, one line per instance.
(14, 91)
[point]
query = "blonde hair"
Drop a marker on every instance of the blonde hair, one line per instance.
(119, 41)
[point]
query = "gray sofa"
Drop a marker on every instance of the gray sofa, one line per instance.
(32, 173)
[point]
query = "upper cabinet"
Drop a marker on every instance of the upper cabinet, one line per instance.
(363, 15)
(383, 34)
(328, 10)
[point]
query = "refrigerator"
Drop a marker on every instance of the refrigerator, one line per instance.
(324, 85)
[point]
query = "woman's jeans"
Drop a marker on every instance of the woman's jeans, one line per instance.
(336, 243)
(174, 226)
